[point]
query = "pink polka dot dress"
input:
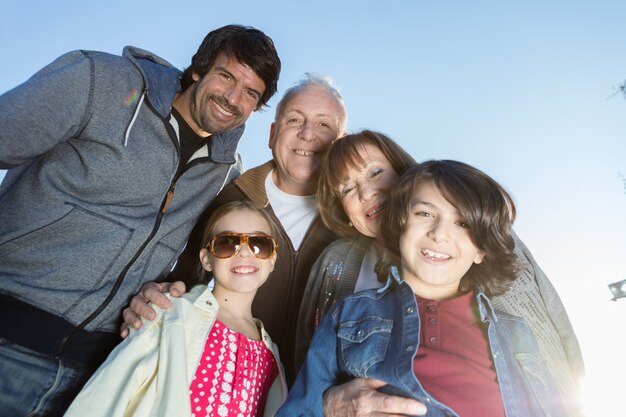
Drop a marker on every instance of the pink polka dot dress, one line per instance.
(233, 376)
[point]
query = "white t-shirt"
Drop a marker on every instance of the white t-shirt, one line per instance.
(367, 276)
(295, 212)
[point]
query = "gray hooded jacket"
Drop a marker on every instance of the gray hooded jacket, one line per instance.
(90, 208)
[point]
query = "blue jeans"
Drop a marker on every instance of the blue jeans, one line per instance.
(33, 384)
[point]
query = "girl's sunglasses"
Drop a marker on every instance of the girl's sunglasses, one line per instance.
(227, 245)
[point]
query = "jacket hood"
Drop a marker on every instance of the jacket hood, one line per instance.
(161, 78)
(162, 83)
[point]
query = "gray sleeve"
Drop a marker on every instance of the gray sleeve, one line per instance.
(533, 297)
(49, 108)
(556, 310)
(310, 307)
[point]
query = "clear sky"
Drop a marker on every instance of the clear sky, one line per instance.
(522, 90)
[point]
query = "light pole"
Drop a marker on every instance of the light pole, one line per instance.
(618, 289)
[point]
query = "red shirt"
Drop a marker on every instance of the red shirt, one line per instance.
(233, 376)
(453, 362)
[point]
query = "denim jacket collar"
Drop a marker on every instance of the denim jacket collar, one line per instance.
(393, 275)
(485, 308)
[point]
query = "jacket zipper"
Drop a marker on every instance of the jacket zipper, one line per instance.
(294, 267)
(118, 282)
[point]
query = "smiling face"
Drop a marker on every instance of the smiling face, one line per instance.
(222, 99)
(436, 248)
(300, 136)
(242, 273)
(364, 192)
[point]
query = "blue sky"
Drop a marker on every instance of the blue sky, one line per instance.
(522, 90)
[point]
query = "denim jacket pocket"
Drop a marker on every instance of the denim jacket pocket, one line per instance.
(363, 343)
(534, 372)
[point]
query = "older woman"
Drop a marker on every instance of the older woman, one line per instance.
(358, 172)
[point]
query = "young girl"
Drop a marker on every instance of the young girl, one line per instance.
(206, 356)
(431, 332)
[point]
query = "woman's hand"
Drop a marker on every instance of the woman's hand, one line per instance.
(359, 398)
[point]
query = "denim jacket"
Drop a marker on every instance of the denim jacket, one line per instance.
(375, 334)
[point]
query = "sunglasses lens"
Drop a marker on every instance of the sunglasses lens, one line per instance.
(225, 246)
(261, 246)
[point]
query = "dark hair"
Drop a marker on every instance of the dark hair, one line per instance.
(247, 45)
(342, 155)
(223, 210)
(486, 207)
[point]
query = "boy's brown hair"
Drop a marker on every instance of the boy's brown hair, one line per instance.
(486, 207)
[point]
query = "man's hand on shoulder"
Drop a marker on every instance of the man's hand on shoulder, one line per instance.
(151, 292)
(359, 398)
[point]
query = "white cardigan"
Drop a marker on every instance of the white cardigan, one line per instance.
(150, 372)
